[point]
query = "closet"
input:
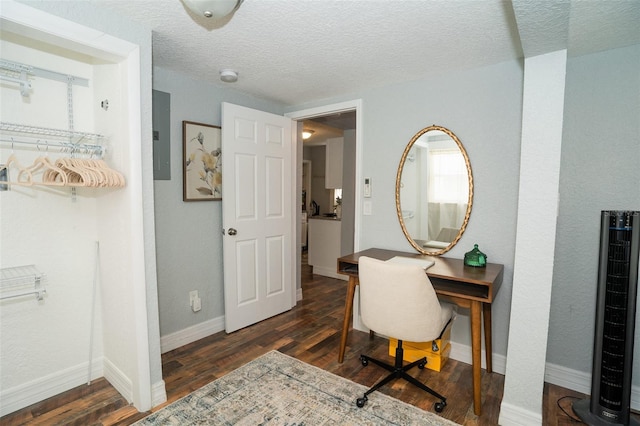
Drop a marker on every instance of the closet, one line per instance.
(80, 166)
(74, 303)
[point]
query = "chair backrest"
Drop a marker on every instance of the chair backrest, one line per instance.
(398, 300)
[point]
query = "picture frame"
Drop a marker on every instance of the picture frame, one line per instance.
(202, 162)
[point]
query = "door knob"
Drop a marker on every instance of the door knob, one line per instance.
(232, 231)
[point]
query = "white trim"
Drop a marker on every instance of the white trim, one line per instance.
(158, 393)
(462, 353)
(329, 272)
(296, 214)
(191, 334)
(40, 25)
(23, 395)
(118, 380)
(142, 382)
(580, 381)
(353, 105)
(516, 416)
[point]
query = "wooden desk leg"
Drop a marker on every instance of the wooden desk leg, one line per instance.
(348, 311)
(486, 313)
(476, 351)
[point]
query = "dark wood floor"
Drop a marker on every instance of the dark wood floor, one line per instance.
(309, 332)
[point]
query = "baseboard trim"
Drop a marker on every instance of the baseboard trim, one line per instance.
(462, 353)
(158, 393)
(575, 380)
(516, 416)
(329, 272)
(191, 334)
(118, 380)
(21, 396)
(580, 381)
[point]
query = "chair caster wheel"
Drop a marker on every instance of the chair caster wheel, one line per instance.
(361, 401)
(439, 406)
(364, 360)
(422, 365)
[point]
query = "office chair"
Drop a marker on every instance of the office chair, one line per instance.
(398, 300)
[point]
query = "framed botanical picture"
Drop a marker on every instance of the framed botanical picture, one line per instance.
(202, 162)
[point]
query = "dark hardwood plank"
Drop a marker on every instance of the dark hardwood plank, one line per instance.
(310, 332)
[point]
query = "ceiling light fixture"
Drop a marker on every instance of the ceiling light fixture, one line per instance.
(215, 9)
(228, 76)
(306, 134)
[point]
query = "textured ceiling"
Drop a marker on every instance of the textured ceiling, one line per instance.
(299, 51)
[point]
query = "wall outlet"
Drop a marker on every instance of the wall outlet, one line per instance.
(197, 305)
(193, 295)
(366, 208)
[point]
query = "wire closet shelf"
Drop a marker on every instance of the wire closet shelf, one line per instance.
(21, 281)
(44, 138)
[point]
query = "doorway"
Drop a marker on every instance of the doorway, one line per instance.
(334, 116)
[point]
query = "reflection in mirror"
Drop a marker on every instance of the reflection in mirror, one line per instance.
(434, 190)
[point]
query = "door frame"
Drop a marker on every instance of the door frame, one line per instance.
(297, 116)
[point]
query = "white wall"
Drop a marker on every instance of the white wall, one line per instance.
(128, 342)
(537, 208)
(50, 229)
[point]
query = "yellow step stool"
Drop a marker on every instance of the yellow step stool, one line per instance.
(436, 351)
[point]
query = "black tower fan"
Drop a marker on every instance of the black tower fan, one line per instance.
(610, 401)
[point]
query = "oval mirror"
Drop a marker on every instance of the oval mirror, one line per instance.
(434, 190)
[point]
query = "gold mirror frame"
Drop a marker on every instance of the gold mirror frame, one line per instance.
(399, 184)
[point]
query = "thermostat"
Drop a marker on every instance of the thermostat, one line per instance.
(367, 187)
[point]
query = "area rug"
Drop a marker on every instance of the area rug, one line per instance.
(276, 389)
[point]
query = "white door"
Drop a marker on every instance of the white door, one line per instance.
(258, 188)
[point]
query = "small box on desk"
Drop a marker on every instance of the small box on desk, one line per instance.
(436, 351)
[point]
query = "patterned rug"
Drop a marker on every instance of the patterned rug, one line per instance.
(276, 389)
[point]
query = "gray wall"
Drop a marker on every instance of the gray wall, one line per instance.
(188, 234)
(483, 108)
(600, 170)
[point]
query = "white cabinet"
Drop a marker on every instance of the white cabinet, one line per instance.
(333, 165)
(324, 247)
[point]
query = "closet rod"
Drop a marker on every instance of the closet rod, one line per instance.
(73, 148)
(39, 294)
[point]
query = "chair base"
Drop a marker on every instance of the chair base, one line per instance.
(399, 371)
